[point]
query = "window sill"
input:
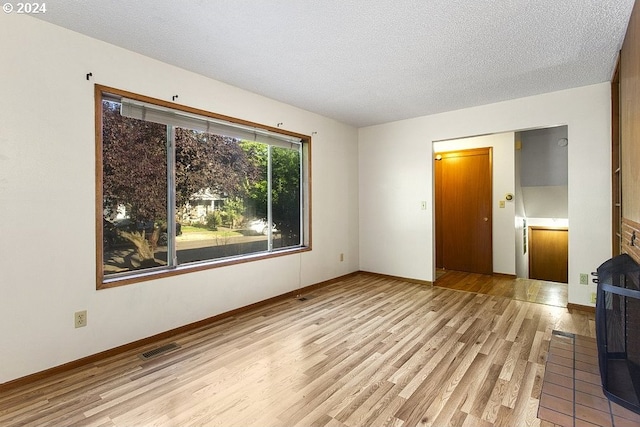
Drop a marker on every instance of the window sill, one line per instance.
(143, 276)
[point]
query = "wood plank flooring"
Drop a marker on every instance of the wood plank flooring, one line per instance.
(365, 351)
(539, 291)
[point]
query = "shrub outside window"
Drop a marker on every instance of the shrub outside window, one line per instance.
(183, 189)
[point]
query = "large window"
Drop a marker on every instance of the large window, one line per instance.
(182, 189)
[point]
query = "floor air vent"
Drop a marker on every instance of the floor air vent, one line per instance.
(158, 351)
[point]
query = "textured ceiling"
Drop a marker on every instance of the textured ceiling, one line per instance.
(366, 62)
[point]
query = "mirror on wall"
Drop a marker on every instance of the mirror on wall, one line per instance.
(541, 170)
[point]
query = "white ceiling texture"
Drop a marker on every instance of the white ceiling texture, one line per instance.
(366, 62)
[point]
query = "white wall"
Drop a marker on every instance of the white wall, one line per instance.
(544, 173)
(47, 201)
(544, 162)
(503, 164)
(396, 173)
(549, 201)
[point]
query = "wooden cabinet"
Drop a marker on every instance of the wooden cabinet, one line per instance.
(626, 162)
(549, 254)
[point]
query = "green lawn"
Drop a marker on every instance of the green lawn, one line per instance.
(189, 231)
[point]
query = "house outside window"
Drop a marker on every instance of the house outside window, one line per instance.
(183, 189)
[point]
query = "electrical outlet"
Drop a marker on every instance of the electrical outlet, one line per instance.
(593, 297)
(341, 257)
(584, 279)
(80, 318)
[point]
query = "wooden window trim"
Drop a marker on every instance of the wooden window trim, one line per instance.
(101, 282)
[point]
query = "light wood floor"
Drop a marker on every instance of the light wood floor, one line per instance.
(365, 351)
(539, 291)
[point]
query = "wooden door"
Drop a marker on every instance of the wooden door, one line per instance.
(549, 254)
(463, 211)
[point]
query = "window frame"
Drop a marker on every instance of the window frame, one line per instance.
(103, 282)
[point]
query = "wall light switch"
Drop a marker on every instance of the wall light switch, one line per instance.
(502, 203)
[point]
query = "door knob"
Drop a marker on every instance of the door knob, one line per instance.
(485, 219)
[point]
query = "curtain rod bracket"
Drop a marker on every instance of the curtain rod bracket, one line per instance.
(174, 97)
(89, 75)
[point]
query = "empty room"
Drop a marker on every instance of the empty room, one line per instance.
(336, 213)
